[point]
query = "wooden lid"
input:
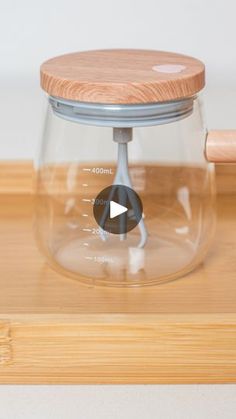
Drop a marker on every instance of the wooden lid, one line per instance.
(122, 76)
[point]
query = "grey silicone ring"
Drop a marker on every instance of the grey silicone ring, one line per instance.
(122, 115)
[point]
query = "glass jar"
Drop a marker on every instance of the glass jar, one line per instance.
(157, 150)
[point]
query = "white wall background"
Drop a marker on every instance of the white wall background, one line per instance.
(32, 31)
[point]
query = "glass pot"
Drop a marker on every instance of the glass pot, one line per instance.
(97, 134)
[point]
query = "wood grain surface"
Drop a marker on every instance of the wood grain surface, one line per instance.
(56, 330)
(122, 76)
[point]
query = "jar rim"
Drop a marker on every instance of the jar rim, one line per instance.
(113, 115)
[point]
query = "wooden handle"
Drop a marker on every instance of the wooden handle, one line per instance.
(221, 146)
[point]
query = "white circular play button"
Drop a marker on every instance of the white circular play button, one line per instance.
(116, 209)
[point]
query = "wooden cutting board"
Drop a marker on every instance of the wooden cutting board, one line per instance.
(56, 330)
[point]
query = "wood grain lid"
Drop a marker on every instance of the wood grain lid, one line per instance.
(122, 76)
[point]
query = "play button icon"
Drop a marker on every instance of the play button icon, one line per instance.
(117, 209)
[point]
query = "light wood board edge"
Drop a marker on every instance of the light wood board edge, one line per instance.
(18, 177)
(5, 343)
(138, 349)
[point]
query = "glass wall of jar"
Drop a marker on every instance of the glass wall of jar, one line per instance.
(79, 157)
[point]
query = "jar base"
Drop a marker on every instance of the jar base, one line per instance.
(128, 265)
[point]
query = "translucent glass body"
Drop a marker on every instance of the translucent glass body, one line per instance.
(169, 172)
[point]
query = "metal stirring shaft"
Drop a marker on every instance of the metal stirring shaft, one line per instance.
(122, 136)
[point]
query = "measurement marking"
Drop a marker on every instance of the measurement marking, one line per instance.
(86, 170)
(86, 200)
(101, 171)
(84, 215)
(86, 229)
(84, 184)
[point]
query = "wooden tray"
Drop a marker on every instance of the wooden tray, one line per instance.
(55, 330)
